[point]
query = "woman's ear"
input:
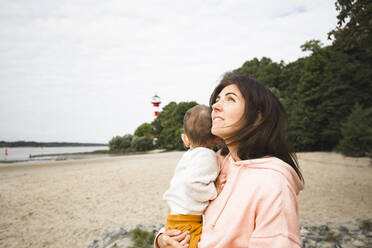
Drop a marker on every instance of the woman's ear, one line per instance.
(185, 140)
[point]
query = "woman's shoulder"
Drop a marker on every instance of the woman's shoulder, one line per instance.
(268, 181)
(265, 174)
(262, 178)
(269, 168)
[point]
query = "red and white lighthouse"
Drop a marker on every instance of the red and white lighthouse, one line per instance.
(156, 103)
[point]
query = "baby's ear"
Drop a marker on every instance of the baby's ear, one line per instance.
(185, 140)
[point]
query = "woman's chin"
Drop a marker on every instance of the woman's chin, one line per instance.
(214, 131)
(217, 132)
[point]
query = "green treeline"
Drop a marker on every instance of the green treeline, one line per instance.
(163, 133)
(327, 94)
(44, 144)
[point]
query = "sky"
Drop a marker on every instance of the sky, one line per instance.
(85, 71)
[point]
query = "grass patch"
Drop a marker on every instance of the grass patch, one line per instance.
(142, 239)
(330, 237)
(366, 225)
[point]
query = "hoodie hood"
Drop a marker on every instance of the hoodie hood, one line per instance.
(265, 163)
(275, 164)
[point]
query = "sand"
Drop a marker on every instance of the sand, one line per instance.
(67, 203)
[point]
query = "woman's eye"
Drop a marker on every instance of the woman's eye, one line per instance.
(231, 99)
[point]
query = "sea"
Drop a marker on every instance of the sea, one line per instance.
(27, 153)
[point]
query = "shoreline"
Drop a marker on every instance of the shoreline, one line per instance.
(85, 160)
(53, 157)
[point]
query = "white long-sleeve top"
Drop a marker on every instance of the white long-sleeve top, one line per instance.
(192, 185)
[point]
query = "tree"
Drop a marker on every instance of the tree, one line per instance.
(168, 126)
(156, 125)
(120, 144)
(357, 133)
(311, 45)
(264, 70)
(142, 143)
(115, 144)
(320, 91)
(354, 28)
(126, 142)
(144, 129)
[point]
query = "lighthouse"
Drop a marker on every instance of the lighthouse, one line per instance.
(155, 103)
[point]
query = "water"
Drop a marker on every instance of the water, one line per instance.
(23, 153)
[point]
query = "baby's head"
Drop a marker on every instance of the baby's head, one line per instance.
(197, 124)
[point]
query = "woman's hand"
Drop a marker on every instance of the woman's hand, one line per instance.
(173, 239)
(220, 183)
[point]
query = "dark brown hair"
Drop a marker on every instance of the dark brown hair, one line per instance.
(197, 124)
(265, 124)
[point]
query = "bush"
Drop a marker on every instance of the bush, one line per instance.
(366, 225)
(356, 133)
(144, 129)
(126, 142)
(143, 143)
(142, 239)
(120, 144)
(115, 144)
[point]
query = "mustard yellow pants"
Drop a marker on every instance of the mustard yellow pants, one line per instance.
(191, 223)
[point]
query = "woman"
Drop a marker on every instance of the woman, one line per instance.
(258, 204)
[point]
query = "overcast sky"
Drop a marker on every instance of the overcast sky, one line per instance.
(85, 71)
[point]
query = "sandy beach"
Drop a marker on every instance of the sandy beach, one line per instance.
(67, 203)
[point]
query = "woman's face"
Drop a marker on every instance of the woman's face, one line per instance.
(227, 112)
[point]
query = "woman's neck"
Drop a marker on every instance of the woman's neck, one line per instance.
(234, 152)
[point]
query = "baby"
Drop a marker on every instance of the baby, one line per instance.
(192, 185)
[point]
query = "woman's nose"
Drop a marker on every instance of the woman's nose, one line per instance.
(217, 106)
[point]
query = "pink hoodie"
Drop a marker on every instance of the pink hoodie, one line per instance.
(256, 208)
